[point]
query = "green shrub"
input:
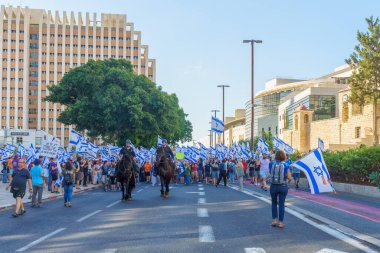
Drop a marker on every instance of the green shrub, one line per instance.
(354, 165)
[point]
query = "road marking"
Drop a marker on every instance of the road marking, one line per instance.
(201, 201)
(40, 240)
(109, 251)
(88, 216)
(323, 227)
(201, 189)
(202, 213)
(206, 234)
(139, 190)
(200, 193)
(254, 250)
(114, 203)
(330, 251)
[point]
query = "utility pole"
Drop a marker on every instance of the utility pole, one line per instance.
(252, 42)
(223, 87)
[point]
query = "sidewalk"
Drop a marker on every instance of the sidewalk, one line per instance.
(7, 201)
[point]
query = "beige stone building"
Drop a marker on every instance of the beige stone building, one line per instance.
(353, 127)
(234, 128)
(39, 46)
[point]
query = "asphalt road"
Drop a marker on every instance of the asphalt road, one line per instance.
(196, 218)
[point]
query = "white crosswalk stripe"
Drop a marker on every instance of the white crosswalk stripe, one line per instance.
(254, 250)
(206, 234)
(330, 251)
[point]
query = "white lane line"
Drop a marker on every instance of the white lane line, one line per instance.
(88, 216)
(202, 212)
(139, 190)
(201, 201)
(40, 240)
(254, 250)
(330, 251)
(201, 193)
(109, 251)
(201, 189)
(114, 203)
(206, 234)
(325, 228)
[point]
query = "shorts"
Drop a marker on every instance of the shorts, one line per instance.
(296, 176)
(208, 174)
(54, 177)
(200, 173)
(112, 179)
(264, 174)
(19, 193)
(147, 174)
(215, 174)
(251, 173)
(256, 173)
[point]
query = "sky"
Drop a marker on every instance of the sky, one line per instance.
(198, 43)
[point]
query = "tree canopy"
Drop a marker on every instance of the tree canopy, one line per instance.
(365, 62)
(107, 99)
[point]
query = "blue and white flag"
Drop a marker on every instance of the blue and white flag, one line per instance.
(278, 143)
(321, 144)
(217, 125)
(314, 167)
(76, 138)
(263, 146)
(159, 141)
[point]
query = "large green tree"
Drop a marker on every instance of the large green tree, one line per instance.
(365, 62)
(107, 99)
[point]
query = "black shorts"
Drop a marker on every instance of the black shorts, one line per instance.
(112, 179)
(54, 177)
(18, 193)
(147, 174)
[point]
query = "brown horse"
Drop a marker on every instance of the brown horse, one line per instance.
(126, 177)
(165, 169)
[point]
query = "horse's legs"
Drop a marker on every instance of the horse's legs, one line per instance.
(167, 181)
(122, 189)
(127, 183)
(162, 186)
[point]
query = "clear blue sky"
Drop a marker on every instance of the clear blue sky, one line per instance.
(197, 43)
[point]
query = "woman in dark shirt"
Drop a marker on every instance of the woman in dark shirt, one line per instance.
(18, 186)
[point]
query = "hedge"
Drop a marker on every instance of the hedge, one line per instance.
(356, 166)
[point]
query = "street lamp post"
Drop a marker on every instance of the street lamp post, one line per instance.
(223, 86)
(214, 111)
(252, 42)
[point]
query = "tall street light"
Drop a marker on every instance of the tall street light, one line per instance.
(223, 86)
(252, 42)
(214, 111)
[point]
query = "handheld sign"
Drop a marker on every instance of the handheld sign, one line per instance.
(49, 149)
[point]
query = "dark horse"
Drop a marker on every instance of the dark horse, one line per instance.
(165, 169)
(126, 177)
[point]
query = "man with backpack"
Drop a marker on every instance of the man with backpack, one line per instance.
(68, 183)
(279, 174)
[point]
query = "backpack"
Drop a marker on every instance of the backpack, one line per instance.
(277, 173)
(68, 179)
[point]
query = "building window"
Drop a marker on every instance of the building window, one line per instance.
(296, 122)
(357, 132)
(38, 141)
(306, 119)
(19, 140)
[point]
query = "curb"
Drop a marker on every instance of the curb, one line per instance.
(50, 198)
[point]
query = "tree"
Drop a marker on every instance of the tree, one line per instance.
(365, 62)
(107, 99)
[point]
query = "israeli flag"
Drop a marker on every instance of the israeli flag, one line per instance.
(159, 141)
(263, 146)
(314, 167)
(76, 139)
(11, 148)
(217, 125)
(278, 144)
(321, 144)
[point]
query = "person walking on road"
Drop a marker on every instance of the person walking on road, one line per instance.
(223, 172)
(264, 171)
(240, 173)
(54, 175)
(37, 174)
(215, 171)
(279, 174)
(17, 184)
(68, 183)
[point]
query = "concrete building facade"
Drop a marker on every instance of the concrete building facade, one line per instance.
(39, 46)
(234, 128)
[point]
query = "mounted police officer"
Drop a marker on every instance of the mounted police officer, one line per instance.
(168, 152)
(127, 150)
